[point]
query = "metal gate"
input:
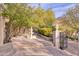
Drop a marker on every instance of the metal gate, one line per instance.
(63, 40)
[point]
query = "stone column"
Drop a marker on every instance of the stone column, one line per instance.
(57, 37)
(78, 42)
(2, 29)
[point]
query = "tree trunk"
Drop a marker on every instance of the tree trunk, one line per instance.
(24, 30)
(31, 32)
(7, 37)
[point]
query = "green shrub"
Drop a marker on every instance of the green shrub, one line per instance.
(73, 37)
(45, 31)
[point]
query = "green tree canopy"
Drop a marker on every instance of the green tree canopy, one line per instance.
(22, 15)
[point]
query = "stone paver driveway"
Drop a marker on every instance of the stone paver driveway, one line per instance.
(20, 46)
(73, 47)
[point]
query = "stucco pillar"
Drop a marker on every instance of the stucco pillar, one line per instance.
(2, 29)
(57, 37)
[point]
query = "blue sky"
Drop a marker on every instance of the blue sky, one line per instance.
(58, 8)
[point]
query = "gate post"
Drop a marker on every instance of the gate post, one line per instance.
(78, 42)
(2, 29)
(57, 37)
(63, 40)
(2, 26)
